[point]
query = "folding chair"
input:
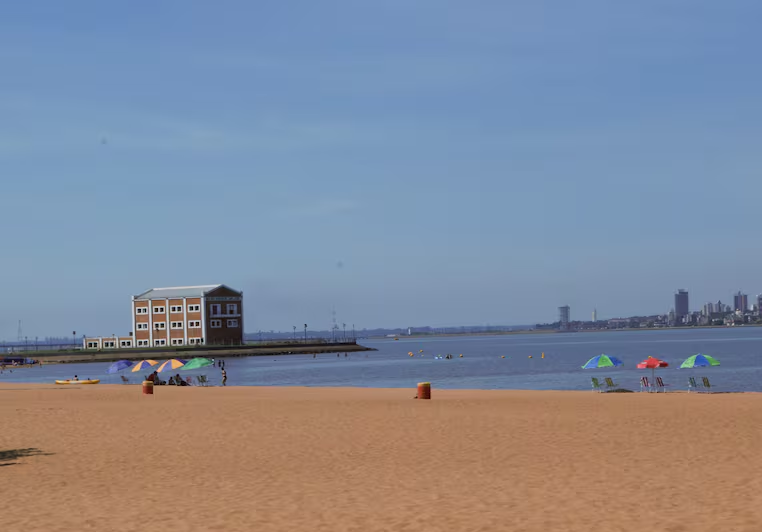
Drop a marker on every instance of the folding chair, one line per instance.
(660, 386)
(596, 385)
(125, 380)
(644, 385)
(707, 386)
(610, 384)
(692, 384)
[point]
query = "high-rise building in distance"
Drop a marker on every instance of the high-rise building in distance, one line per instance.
(595, 315)
(740, 302)
(563, 317)
(681, 304)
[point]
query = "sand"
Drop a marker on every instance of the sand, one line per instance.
(107, 458)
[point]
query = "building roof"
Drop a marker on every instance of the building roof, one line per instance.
(178, 292)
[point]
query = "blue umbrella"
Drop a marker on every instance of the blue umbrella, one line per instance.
(602, 361)
(119, 366)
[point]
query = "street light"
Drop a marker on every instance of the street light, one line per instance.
(305, 333)
(345, 331)
(294, 337)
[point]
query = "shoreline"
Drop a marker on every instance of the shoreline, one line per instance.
(135, 354)
(556, 331)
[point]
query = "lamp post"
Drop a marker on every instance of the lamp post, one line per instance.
(305, 333)
(345, 331)
(73, 339)
(294, 337)
(353, 332)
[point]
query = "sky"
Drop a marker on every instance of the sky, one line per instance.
(435, 162)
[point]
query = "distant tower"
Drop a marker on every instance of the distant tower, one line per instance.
(20, 335)
(740, 302)
(681, 305)
(563, 317)
(595, 315)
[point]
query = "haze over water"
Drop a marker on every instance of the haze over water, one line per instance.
(739, 351)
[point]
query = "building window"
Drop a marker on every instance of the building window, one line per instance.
(215, 324)
(109, 344)
(176, 309)
(194, 308)
(161, 341)
(158, 310)
(194, 324)
(232, 323)
(141, 310)
(177, 341)
(92, 345)
(125, 343)
(194, 341)
(216, 310)
(142, 343)
(233, 308)
(142, 326)
(177, 325)
(159, 325)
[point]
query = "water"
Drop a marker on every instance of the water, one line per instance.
(739, 350)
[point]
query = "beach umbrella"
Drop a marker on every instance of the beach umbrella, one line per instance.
(652, 363)
(602, 361)
(119, 366)
(173, 363)
(699, 360)
(197, 363)
(143, 364)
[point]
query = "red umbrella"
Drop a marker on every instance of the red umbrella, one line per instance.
(653, 363)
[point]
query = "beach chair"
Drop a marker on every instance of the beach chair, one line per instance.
(660, 386)
(707, 386)
(692, 384)
(189, 380)
(202, 380)
(644, 385)
(610, 384)
(596, 385)
(125, 380)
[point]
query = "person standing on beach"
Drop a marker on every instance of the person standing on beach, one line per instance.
(224, 377)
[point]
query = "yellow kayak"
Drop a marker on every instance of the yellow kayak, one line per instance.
(91, 381)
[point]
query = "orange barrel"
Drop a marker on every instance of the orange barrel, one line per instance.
(147, 387)
(424, 390)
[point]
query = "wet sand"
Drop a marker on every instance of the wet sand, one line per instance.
(105, 457)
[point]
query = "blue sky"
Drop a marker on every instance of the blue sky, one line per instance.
(408, 163)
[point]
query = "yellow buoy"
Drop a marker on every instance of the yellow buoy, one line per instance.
(543, 355)
(411, 354)
(502, 356)
(530, 356)
(421, 351)
(461, 356)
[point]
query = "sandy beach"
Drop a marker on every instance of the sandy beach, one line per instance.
(106, 457)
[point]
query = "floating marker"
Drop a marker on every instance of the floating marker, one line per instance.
(530, 356)
(502, 356)
(543, 355)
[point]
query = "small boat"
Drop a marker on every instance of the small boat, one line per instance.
(91, 381)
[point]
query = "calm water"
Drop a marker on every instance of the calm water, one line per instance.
(739, 351)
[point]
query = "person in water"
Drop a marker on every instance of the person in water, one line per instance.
(224, 377)
(76, 378)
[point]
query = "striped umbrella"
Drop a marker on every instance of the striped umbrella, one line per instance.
(143, 364)
(602, 361)
(171, 364)
(699, 361)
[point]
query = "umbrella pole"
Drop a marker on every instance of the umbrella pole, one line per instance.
(653, 377)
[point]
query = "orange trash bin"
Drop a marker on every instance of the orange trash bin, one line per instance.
(147, 387)
(424, 390)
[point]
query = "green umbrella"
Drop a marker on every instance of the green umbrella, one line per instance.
(197, 363)
(700, 360)
(602, 361)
